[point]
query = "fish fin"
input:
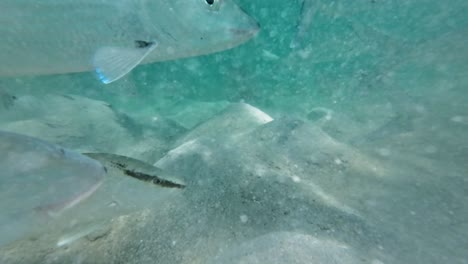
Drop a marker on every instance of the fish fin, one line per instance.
(111, 63)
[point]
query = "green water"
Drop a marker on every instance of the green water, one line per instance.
(393, 75)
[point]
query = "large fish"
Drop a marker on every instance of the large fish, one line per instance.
(114, 36)
(131, 186)
(39, 182)
(59, 195)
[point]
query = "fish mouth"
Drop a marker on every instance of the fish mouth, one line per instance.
(245, 32)
(250, 27)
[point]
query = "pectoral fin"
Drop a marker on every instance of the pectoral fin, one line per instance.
(111, 63)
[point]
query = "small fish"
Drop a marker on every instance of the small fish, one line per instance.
(71, 237)
(136, 169)
(303, 26)
(6, 100)
(39, 182)
(113, 37)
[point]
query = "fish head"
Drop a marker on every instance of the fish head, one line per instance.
(205, 26)
(226, 21)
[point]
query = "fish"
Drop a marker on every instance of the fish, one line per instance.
(303, 25)
(137, 169)
(57, 195)
(40, 181)
(131, 186)
(7, 100)
(113, 37)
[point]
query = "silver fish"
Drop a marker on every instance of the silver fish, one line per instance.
(6, 100)
(136, 169)
(303, 25)
(114, 36)
(131, 186)
(57, 195)
(39, 182)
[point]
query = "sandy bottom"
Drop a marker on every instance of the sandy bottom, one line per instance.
(264, 190)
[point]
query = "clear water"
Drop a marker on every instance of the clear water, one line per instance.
(365, 160)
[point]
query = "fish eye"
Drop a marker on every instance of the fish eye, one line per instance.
(213, 4)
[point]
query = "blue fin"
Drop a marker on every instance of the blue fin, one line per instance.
(111, 63)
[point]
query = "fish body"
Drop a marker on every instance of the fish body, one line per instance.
(39, 182)
(136, 169)
(130, 186)
(58, 196)
(114, 36)
(308, 8)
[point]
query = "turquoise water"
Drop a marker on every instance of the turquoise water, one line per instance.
(359, 155)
